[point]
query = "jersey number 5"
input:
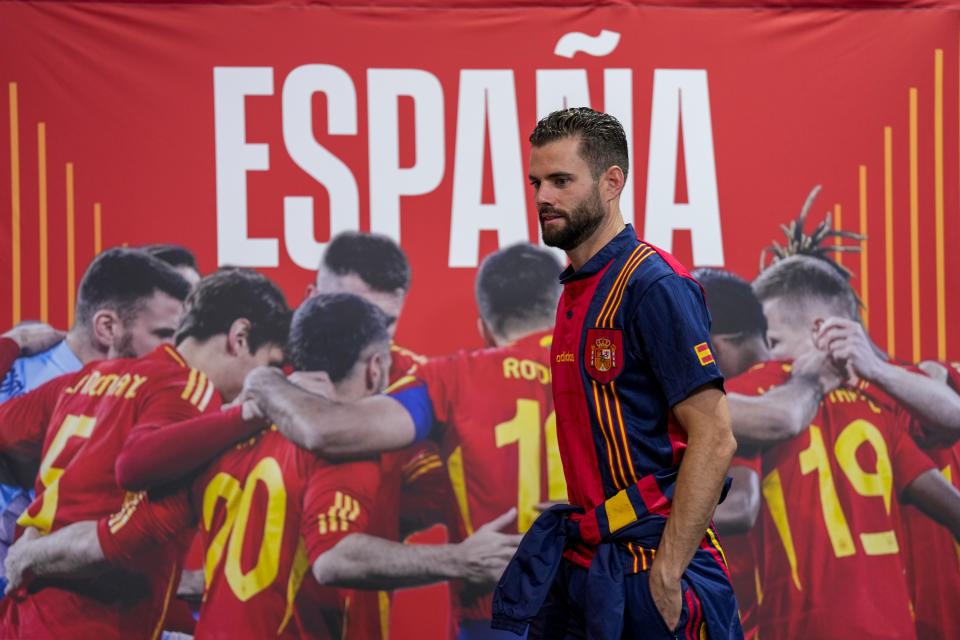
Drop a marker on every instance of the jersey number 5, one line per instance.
(79, 426)
(525, 429)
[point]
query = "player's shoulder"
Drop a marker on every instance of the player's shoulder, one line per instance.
(267, 453)
(650, 268)
(165, 370)
(760, 377)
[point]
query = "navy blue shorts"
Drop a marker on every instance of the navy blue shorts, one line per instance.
(562, 618)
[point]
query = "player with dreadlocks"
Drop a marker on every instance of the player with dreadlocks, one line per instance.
(809, 303)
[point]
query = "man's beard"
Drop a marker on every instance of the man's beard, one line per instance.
(125, 346)
(582, 221)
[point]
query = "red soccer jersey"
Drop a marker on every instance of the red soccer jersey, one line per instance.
(830, 519)
(370, 610)
(267, 509)
(743, 552)
(929, 551)
(83, 419)
(500, 445)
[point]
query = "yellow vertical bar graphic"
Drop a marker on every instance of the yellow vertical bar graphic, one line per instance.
(97, 228)
(837, 224)
(938, 203)
(888, 234)
(864, 271)
(44, 255)
(914, 229)
(71, 249)
(15, 203)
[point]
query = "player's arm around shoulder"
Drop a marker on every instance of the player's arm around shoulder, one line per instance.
(324, 426)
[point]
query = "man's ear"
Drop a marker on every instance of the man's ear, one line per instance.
(107, 327)
(238, 337)
(310, 291)
(373, 376)
(611, 183)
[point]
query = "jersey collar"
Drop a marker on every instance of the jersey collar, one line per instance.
(64, 357)
(169, 353)
(624, 240)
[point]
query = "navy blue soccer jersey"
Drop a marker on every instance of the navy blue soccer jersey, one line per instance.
(632, 339)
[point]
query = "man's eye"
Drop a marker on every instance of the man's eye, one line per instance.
(561, 181)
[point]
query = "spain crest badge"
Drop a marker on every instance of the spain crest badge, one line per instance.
(603, 354)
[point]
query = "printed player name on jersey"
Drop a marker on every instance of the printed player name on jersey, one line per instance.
(95, 384)
(849, 395)
(526, 369)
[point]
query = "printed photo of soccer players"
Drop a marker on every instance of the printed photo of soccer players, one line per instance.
(479, 320)
(842, 518)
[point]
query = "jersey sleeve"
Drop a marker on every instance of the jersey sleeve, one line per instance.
(24, 419)
(156, 454)
(673, 326)
(425, 494)
(149, 457)
(337, 502)
(143, 524)
(754, 462)
(428, 393)
(907, 459)
(759, 378)
(9, 352)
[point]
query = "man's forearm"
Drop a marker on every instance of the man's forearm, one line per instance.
(777, 415)
(935, 405)
(936, 498)
(333, 429)
(73, 551)
(710, 448)
(361, 561)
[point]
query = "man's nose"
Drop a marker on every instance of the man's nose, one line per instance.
(544, 195)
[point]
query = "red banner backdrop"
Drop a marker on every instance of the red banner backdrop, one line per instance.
(251, 132)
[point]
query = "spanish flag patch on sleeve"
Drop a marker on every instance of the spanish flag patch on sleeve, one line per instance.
(703, 352)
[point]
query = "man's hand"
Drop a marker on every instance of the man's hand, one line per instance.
(255, 384)
(849, 346)
(34, 337)
(818, 365)
(667, 595)
(486, 553)
(19, 560)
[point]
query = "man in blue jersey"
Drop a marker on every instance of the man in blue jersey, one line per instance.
(128, 303)
(642, 420)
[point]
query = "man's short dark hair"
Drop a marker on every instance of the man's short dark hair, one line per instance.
(603, 143)
(375, 258)
(173, 254)
(222, 297)
(734, 307)
(121, 279)
(330, 332)
(518, 286)
(804, 276)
